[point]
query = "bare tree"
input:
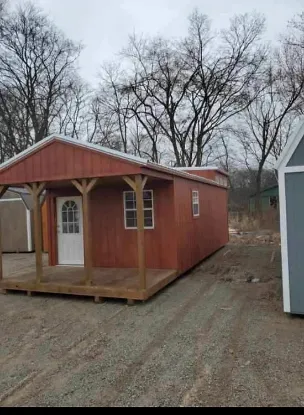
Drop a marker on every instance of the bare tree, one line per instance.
(146, 133)
(115, 102)
(294, 40)
(73, 116)
(221, 153)
(192, 87)
(146, 143)
(295, 35)
(284, 134)
(267, 121)
(101, 124)
(37, 66)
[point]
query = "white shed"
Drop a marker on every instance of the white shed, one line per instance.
(16, 220)
(290, 167)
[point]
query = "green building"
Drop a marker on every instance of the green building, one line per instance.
(269, 199)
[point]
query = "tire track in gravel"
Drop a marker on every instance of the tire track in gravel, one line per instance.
(28, 342)
(275, 396)
(158, 377)
(233, 349)
(252, 384)
(14, 389)
(204, 371)
(75, 353)
(131, 371)
(169, 390)
(231, 367)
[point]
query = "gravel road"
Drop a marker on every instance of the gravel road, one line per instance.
(209, 339)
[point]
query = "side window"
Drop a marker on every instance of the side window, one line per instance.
(195, 202)
(130, 209)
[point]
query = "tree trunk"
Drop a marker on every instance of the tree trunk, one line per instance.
(154, 152)
(258, 205)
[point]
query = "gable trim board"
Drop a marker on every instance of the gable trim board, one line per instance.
(225, 173)
(284, 170)
(294, 169)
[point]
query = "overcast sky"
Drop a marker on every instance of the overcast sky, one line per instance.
(103, 26)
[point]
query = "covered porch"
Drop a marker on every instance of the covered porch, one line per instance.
(85, 185)
(20, 275)
(86, 280)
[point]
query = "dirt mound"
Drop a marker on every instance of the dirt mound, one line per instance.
(243, 263)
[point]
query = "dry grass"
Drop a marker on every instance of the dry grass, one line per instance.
(246, 222)
(256, 239)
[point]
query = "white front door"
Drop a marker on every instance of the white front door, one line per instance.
(70, 231)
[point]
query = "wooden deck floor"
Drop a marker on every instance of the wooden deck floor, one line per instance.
(107, 282)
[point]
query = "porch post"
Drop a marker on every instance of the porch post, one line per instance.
(3, 189)
(85, 188)
(35, 189)
(140, 231)
(87, 239)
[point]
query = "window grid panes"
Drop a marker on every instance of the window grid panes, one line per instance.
(70, 217)
(130, 209)
(195, 202)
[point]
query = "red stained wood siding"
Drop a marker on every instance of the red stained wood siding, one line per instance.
(113, 245)
(179, 240)
(198, 237)
(45, 222)
(61, 161)
(52, 228)
(207, 174)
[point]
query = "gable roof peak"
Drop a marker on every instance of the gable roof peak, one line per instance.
(79, 143)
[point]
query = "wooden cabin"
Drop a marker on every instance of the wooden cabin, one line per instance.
(118, 226)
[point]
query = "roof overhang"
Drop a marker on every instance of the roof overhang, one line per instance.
(205, 168)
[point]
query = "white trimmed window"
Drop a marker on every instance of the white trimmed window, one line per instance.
(195, 202)
(130, 209)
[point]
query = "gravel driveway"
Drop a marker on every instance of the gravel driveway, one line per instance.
(211, 338)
